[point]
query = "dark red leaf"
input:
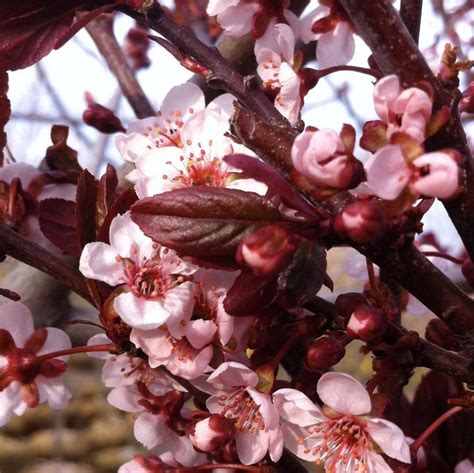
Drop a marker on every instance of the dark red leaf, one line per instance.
(277, 185)
(302, 280)
(107, 193)
(250, 295)
(57, 219)
(5, 111)
(86, 198)
(203, 221)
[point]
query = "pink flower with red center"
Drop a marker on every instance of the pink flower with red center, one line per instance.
(435, 174)
(340, 436)
(277, 66)
(153, 279)
(324, 158)
(407, 111)
(159, 420)
(22, 187)
(256, 420)
(330, 26)
(26, 377)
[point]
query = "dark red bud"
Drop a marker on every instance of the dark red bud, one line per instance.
(267, 251)
(136, 47)
(212, 433)
(440, 334)
(324, 353)
(367, 323)
(348, 303)
(101, 118)
(362, 222)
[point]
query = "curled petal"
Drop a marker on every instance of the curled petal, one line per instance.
(233, 374)
(297, 408)
(386, 92)
(336, 47)
(389, 438)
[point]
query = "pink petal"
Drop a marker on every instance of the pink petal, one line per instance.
(183, 450)
(25, 172)
(324, 143)
(288, 101)
(386, 92)
(56, 340)
(275, 444)
(99, 261)
(232, 374)
(297, 408)
(200, 332)
(99, 339)
(387, 172)
(237, 20)
(132, 146)
(193, 366)
(150, 430)
(53, 391)
(140, 312)
(336, 47)
(186, 99)
(413, 100)
(58, 191)
(292, 436)
(390, 438)
(442, 181)
(344, 394)
(223, 105)
(251, 448)
(16, 318)
(465, 466)
(307, 22)
(268, 411)
(125, 398)
(376, 463)
(286, 41)
(154, 343)
(179, 302)
(215, 7)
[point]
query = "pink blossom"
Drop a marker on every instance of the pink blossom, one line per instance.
(275, 54)
(465, 466)
(153, 278)
(235, 396)
(212, 433)
(407, 111)
(25, 380)
(158, 419)
(433, 174)
(340, 435)
(320, 155)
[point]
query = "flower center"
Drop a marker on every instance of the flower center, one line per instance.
(22, 366)
(12, 205)
(338, 442)
(151, 282)
(242, 409)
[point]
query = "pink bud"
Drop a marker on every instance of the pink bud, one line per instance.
(362, 222)
(324, 353)
(101, 118)
(367, 323)
(267, 251)
(212, 433)
(348, 303)
(440, 334)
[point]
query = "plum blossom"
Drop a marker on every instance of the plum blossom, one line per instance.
(433, 174)
(340, 435)
(26, 380)
(277, 67)
(330, 26)
(239, 17)
(465, 466)
(407, 111)
(22, 187)
(236, 396)
(323, 157)
(152, 279)
(158, 421)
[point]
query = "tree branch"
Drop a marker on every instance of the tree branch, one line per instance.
(221, 74)
(410, 12)
(28, 252)
(101, 31)
(394, 49)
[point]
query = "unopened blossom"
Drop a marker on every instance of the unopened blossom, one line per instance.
(402, 110)
(158, 419)
(22, 187)
(322, 157)
(235, 396)
(152, 279)
(433, 174)
(464, 466)
(342, 436)
(212, 433)
(330, 26)
(277, 67)
(26, 380)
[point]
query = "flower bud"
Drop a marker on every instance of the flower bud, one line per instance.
(212, 433)
(324, 353)
(267, 251)
(136, 47)
(362, 222)
(348, 303)
(440, 334)
(367, 323)
(101, 118)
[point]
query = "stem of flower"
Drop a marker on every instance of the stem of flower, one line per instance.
(75, 350)
(371, 274)
(438, 254)
(281, 353)
(437, 423)
(362, 70)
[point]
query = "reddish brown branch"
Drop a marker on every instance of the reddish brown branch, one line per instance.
(410, 11)
(394, 49)
(101, 31)
(221, 74)
(28, 252)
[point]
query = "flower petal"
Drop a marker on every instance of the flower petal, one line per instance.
(150, 429)
(231, 374)
(390, 438)
(344, 394)
(297, 408)
(251, 448)
(16, 318)
(99, 261)
(336, 47)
